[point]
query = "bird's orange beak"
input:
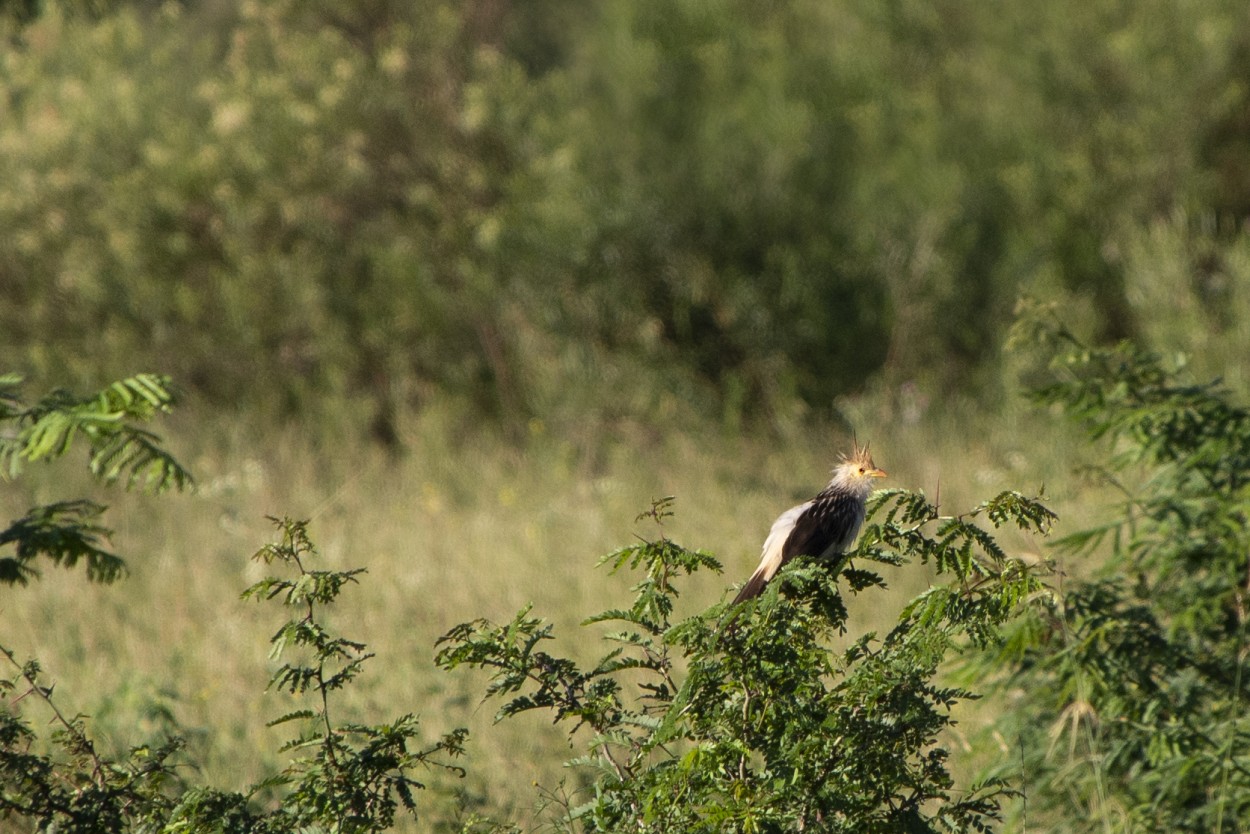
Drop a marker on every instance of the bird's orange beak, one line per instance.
(875, 473)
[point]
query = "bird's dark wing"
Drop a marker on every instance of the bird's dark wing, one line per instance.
(827, 527)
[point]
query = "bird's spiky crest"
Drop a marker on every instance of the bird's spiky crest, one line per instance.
(859, 456)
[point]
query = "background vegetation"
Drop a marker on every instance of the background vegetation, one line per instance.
(469, 284)
(586, 211)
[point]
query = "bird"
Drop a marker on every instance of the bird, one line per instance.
(822, 527)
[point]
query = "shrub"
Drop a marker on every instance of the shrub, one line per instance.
(748, 719)
(1129, 692)
(343, 776)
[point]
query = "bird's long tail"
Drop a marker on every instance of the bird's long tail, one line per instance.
(773, 555)
(755, 585)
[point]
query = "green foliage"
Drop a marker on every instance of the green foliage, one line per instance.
(259, 205)
(118, 451)
(65, 532)
(749, 719)
(343, 776)
(727, 209)
(1130, 689)
(348, 777)
(80, 791)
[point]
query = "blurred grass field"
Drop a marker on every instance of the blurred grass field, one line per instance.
(463, 526)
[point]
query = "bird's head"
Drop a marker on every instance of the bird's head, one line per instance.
(857, 470)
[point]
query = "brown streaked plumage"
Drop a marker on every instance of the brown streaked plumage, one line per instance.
(822, 527)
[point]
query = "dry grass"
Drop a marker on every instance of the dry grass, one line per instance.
(457, 529)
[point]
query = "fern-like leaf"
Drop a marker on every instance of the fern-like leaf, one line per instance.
(65, 532)
(119, 451)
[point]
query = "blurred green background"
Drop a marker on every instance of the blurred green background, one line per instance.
(468, 283)
(586, 211)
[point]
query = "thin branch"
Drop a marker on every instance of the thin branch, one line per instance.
(45, 693)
